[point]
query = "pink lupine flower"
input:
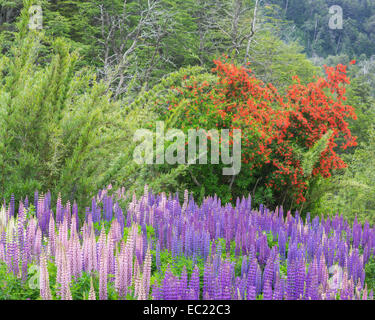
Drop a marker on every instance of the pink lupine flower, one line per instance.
(364, 296)
(146, 276)
(58, 262)
(67, 277)
(93, 253)
(92, 295)
(63, 276)
(110, 255)
(51, 236)
(37, 243)
(45, 291)
(138, 285)
(103, 269)
(121, 274)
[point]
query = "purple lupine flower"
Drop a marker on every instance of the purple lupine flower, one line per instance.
(183, 285)
(278, 293)
(193, 288)
(282, 243)
(312, 290)
(268, 271)
(26, 203)
(258, 280)
(251, 276)
(267, 291)
(156, 294)
(208, 282)
(16, 257)
(168, 291)
(251, 293)
(290, 289)
(300, 278)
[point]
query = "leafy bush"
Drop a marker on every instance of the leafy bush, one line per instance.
(287, 140)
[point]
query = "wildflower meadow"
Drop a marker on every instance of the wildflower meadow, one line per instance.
(161, 247)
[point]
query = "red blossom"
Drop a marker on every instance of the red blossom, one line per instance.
(276, 123)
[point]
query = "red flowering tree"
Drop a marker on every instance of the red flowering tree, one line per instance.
(287, 139)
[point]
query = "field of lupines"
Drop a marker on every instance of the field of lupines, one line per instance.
(165, 248)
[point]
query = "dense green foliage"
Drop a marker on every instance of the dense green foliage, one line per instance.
(311, 20)
(52, 120)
